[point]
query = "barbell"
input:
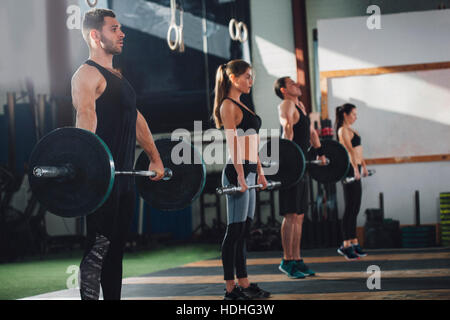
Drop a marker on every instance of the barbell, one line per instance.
(292, 164)
(72, 173)
(233, 189)
(353, 179)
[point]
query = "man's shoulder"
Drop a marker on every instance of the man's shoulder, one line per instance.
(86, 73)
(287, 106)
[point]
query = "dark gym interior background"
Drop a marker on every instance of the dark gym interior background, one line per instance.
(397, 75)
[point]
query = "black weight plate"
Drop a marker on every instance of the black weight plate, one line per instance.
(94, 172)
(186, 184)
(339, 164)
(289, 162)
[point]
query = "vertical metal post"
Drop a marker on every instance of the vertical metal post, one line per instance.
(382, 204)
(11, 132)
(417, 208)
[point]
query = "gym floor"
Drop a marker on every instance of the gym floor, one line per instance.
(419, 274)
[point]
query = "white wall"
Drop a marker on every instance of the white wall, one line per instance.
(402, 114)
(404, 38)
(273, 51)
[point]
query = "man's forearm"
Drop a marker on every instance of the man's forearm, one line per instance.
(145, 139)
(315, 140)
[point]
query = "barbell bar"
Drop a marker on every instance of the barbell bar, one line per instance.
(353, 179)
(233, 189)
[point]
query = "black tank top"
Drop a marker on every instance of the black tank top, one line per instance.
(116, 119)
(249, 120)
(302, 133)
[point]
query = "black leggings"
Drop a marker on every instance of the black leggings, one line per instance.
(352, 197)
(234, 250)
(107, 231)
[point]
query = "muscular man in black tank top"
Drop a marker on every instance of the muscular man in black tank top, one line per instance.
(105, 104)
(296, 127)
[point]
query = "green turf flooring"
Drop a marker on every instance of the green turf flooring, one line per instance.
(29, 278)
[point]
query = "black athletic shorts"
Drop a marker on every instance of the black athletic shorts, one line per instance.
(294, 199)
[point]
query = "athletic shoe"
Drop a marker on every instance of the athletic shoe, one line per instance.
(303, 268)
(359, 251)
(290, 269)
(256, 292)
(348, 253)
(236, 294)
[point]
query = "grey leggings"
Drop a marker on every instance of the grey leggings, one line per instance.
(240, 206)
(240, 213)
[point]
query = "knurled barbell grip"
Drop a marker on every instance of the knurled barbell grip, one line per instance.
(268, 164)
(319, 162)
(167, 173)
(353, 179)
(234, 189)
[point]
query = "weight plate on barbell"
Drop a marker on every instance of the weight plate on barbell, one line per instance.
(93, 177)
(187, 182)
(288, 162)
(339, 164)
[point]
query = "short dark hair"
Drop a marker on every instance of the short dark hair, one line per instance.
(95, 19)
(280, 83)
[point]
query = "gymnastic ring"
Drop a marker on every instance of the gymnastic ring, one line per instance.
(181, 32)
(92, 4)
(181, 40)
(173, 45)
(233, 28)
(243, 32)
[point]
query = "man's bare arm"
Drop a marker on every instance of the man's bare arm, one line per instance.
(145, 138)
(314, 137)
(287, 119)
(84, 87)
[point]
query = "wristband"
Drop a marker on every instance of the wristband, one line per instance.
(319, 151)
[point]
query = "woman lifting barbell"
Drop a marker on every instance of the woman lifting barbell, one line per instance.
(241, 130)
(345, 116)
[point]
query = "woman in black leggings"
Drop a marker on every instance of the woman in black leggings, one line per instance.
(243, 168)
(351, 140)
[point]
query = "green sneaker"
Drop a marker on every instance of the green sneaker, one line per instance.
(303, 268)
(289, 268)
